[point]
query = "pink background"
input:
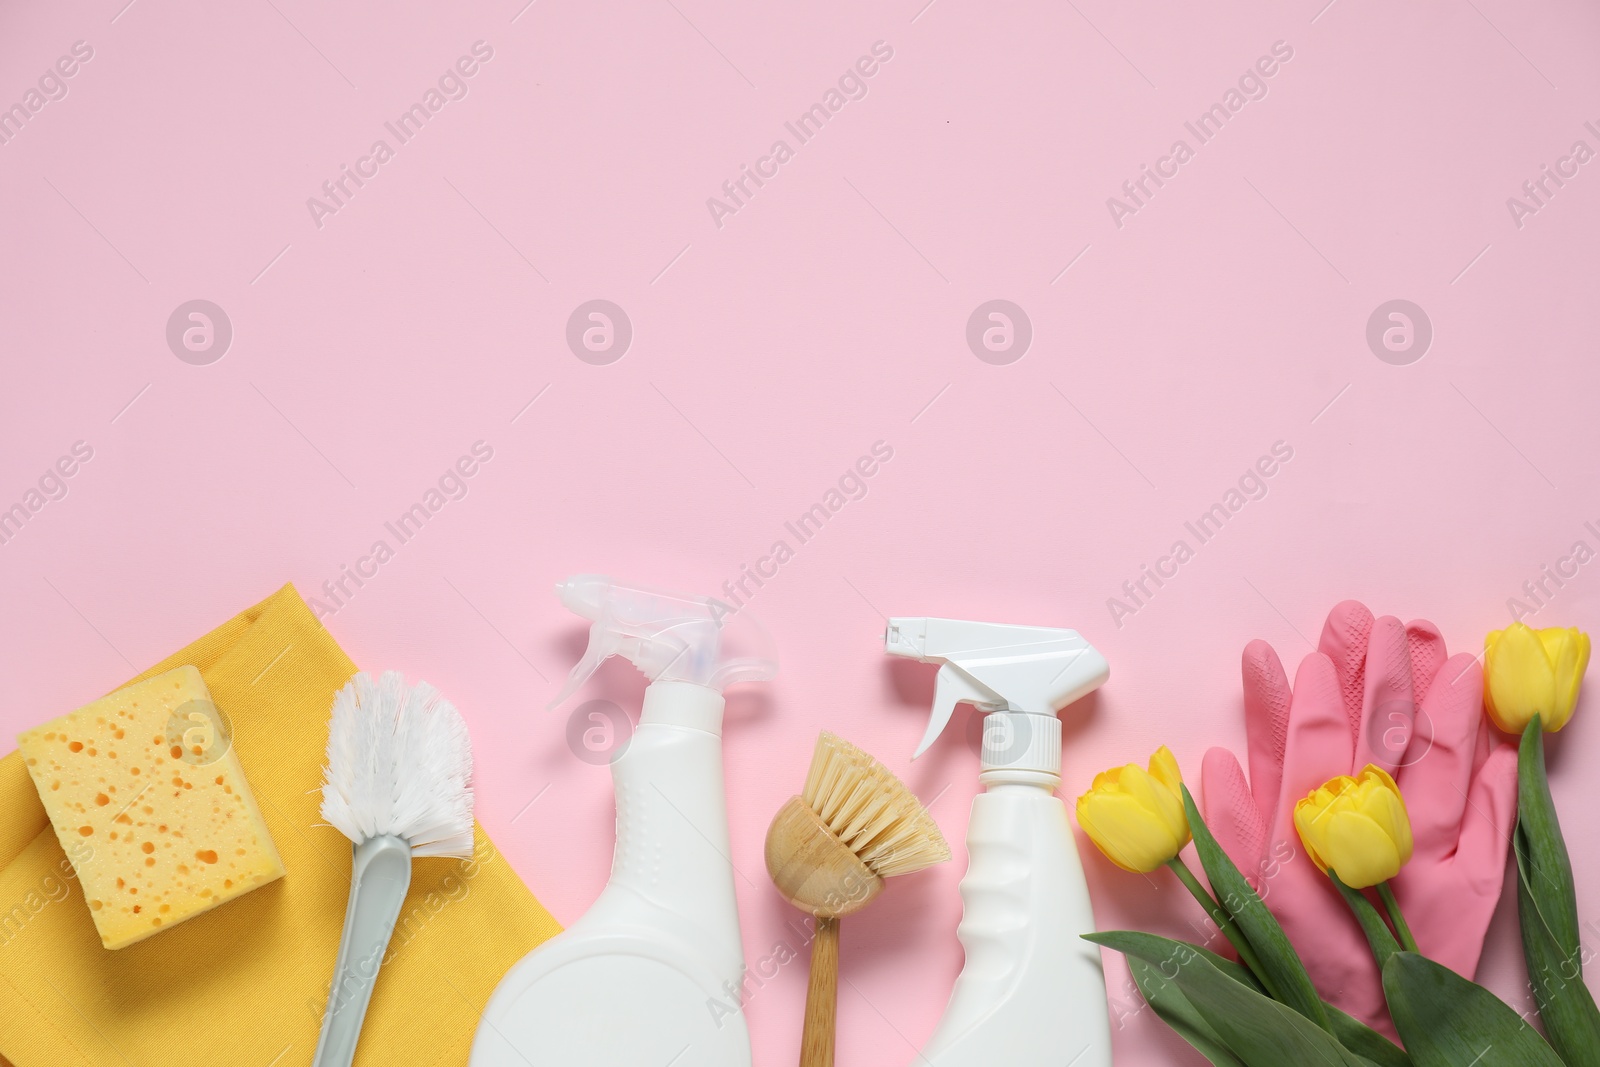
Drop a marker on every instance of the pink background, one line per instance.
(768, 354)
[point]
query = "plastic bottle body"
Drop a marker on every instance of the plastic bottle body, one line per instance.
(1031, 992)
(651, 972)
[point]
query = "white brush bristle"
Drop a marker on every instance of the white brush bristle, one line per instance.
(400, 763)
(871, 810)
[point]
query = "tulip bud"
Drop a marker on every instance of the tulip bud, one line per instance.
(1529, 672)
(1135, 816)
(1358, 827)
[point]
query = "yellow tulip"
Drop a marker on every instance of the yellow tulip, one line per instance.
(1135, 816)
(1528, 672)
(1356, 826)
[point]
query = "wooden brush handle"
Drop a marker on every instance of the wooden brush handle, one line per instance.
(822, 996)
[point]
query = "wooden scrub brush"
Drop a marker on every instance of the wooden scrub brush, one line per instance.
(828, 852)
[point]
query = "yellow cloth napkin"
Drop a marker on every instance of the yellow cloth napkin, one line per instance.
(244, 985)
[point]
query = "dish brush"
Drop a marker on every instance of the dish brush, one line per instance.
(828, 852)
(396, 784)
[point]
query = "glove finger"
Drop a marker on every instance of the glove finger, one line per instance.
(1230, 810)
(1319, 744)
(1344, 642)
(1388, 705)
(1453, 934)
(1488, 740)
(1267, 699)
(1486, 826)
(1425, 644)
(1439, 764)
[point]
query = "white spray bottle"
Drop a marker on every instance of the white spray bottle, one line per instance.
(651, 974)
(1031, 993)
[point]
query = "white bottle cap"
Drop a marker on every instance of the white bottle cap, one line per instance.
(1014, 741)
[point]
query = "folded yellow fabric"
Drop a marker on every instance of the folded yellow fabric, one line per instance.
(244, 984)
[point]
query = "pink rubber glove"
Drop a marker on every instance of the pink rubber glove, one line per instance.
(1374, 692)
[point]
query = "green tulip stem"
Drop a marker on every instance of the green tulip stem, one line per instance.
(1215, 912)
(1392, 906)
(1378, 934)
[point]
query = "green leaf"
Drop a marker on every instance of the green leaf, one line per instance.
(1253, 1027)
(1264, 1032)
(1352, 1033)
(1541, 850)
(1175, 1009)
(1548, 913)
(1379, 936)
(1284, 975)
(1167, 954)
(1447, 1021)
(1363, 1040)
(1571, 1020)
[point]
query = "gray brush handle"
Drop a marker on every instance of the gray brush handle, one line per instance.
(379, 878)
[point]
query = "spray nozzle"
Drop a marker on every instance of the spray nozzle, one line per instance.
(1033, 670)
(668, 636)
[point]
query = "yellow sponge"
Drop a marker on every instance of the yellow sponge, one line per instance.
(149, 802)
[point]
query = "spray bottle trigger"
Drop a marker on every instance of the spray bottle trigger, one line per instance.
(952, 686)
(603, 644)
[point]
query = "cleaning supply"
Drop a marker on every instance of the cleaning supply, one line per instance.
(149, 801)
(399, 760)
(1388, 693)
(244, 985)
(1031, 993)
(651, 974)
(828, 852)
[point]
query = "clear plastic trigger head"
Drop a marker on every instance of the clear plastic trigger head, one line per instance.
(667, 636)
(603, 644)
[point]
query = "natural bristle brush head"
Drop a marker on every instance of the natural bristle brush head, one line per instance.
(399, 764)
(828, 852)
(829, 849)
